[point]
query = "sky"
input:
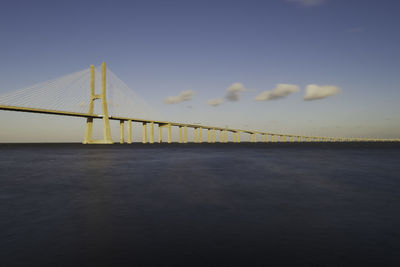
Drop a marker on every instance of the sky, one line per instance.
(312, 67)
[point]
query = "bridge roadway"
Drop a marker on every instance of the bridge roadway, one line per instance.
(211, 138)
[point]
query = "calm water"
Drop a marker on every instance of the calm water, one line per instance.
(200, 205)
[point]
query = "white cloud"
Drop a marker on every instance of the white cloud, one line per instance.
(281, 90)
(314, 91)
(233, 92)
(215, 102)
(183, 96)
(308, 3)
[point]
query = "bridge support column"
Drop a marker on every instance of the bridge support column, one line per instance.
(200, 135)
(209, 135)
(88, 139)
(238, 137)
(169, 134)
(122, 132)
(88, 131)
(225, 137)
(151, 132)
(129, 137)
(195, 135)
(180, 134)
(185, 134)
(106, 122)
(159, 134)
(213, 135)
(144, 133)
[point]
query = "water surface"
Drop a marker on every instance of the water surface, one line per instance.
(200, 205)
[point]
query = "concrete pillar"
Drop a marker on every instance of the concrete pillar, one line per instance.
(129, 141)
(195, 135)
(221, 137)
(209, 135)
(225, 137)
(122, 132)
(213, 135)
(151, 132)
(89, 121)
(238, 137)
(169, 134)
(180, 134)
(106, 122)
(200, 136)
(159, 134)
(185, 134)
(144, 133)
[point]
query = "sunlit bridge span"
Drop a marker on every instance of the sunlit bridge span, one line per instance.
(75, 95)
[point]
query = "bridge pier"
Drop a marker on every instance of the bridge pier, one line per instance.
(185, 134)
(169, 134)
(159, 133)
(88, 139)
(180, 134)
(129, 138)
(225, 137)
(122, 132)
(151, 132)
(213, 135)
(144, 133)
(200, 136)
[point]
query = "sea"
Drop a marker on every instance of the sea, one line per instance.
(247, 204)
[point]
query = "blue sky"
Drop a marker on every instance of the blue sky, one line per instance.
(161, 48)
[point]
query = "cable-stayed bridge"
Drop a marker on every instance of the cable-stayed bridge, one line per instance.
(75, 95)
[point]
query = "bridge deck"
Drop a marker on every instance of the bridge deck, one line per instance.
(96, 116)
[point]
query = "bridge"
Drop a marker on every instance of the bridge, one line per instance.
(148, 125)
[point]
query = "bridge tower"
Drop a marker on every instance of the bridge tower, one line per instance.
(102, 96)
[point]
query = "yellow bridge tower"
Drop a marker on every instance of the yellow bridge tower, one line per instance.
(102, 96)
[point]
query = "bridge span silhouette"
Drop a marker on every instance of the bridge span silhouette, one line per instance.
(148, 125)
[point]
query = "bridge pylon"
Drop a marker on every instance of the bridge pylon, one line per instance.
(102, 96)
